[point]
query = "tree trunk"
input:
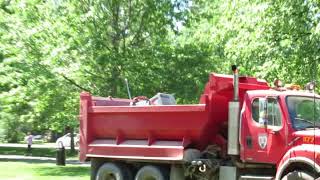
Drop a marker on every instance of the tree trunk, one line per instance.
(72, 142)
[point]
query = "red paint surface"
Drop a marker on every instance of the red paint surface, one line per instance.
(287, 145)
(110, 128)
(193, 125)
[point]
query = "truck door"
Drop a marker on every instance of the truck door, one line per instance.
(263, 135)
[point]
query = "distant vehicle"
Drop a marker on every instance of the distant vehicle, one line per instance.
(65, 140)
(35, 137)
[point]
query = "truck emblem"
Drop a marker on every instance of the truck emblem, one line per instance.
(263, 140)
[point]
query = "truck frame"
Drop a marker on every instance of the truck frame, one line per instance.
(241, 129)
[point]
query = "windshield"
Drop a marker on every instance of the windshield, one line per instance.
(304, 112)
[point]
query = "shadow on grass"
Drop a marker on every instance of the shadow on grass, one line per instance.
(63, 171)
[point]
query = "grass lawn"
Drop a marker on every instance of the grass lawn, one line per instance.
(42, 171)
(41, 152)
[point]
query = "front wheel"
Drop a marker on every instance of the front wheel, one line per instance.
(298, 175)
(112, 171)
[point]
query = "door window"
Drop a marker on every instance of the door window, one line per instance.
(266, 111)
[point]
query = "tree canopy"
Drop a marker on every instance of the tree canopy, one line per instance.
(52, 50)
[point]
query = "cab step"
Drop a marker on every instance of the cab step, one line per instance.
(252, 177)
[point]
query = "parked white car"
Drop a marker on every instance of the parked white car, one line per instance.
(65, 140)
(35, 138)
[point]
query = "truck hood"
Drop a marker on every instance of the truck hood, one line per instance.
(306, 143)
(308, 136)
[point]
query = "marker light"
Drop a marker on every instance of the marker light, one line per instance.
(310, 86)
(292, 86)
(295, 87)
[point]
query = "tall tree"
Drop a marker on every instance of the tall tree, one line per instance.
(268, 39)
(52, 50)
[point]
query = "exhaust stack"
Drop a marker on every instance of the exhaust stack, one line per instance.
(233, 116)
(235, 83)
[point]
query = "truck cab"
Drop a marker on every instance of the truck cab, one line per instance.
(281, 127)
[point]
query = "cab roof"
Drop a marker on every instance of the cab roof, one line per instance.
(273, 92)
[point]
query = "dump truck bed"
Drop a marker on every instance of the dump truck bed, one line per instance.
(111, 128)
(157, 132)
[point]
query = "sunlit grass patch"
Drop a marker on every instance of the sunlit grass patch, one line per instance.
(39, 171)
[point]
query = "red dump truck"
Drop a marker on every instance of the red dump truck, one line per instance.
(241, 129)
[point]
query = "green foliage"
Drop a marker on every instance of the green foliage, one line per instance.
(50, 51)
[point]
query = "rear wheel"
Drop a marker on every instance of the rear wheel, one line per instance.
(113, 171)
(152, 173)
(298, 175)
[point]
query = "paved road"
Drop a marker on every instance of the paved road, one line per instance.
(34, 158)
(46, 145)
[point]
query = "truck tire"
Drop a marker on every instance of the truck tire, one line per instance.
(177, 172)
(95, 164)
(298, 175)
(152, 173)
(113, 171)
